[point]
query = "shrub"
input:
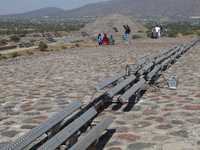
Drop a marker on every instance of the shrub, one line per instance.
(15, 38)
(137, 36)
(14, 54)
(63, 47)
(77, 45)
(29, 52)
(42, 46)
(140, 31)
(172, 34)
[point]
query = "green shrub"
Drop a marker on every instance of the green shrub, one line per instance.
(137, 36)
(140, 31)
(63, 47)
(172, 34)
(15, 38)
(29, 52)
(198, 33)
(42, 46)
(14, 54)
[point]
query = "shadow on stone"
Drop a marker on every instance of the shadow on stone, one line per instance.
(105, 139)
(134, 100)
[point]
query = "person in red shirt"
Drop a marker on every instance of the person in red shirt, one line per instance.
(105, 40)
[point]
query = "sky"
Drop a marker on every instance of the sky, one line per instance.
(20, 6)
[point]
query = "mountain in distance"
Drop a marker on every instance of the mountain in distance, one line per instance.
(48, 11)
(141, 8)
(137, 8)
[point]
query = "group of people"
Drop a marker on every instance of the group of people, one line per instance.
(156, 32)
(103, 39)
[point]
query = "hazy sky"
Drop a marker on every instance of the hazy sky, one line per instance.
(18, 6)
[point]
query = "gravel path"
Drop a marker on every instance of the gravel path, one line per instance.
(32, 88)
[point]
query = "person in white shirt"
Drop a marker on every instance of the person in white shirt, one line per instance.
(158, 31)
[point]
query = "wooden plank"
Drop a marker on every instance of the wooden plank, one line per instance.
(166, 63)
(109, 81)
(151, 74)
(113, 91)
(130, 92)
(38, 131)
(146, 68)
(93, 135)
(68, 131)
(162, 58)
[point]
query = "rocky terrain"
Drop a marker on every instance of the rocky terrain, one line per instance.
(32, 88)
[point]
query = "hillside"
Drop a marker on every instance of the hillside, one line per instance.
(141, 8)
(48, 11)
(138, 8)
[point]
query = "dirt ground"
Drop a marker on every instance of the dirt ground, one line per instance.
(32, 88)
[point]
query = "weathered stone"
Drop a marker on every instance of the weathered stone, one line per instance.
(159, 119)
(3, 118)
(151, 118)
(181, 133)
(197, 95)
(130, 137)
(196, 101)
(137, 108)
(120, 122)
(177, 146)
(167, 114)
(164, 126)
(192, 107)
(167, 109)
(170, 105)
(10, 133)
(150, 112)
(36, 120)
(9, 123)
(140, 146)
(178, 122)
(28, 126)
(114, 143)
(114, 148)
(43, 107)
(142, 124)
(160, 138)
(122, 129)
(194, 120)
(34, 113)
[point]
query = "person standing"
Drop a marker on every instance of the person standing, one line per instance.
(158, 31)
(105, 40)
(126, 33)
(111, 40)
(99, 39)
